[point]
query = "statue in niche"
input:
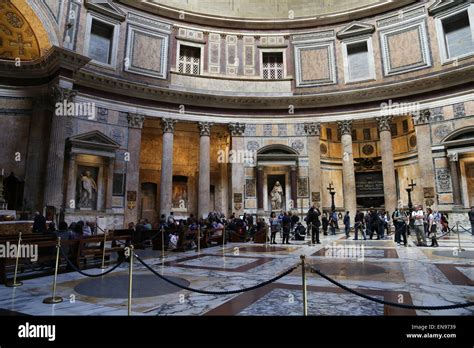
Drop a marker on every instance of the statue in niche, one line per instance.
(87, 188)
(276, 196)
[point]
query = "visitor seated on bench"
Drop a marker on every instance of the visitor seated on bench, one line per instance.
(216, 229)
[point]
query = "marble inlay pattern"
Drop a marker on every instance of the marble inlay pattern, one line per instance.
(213, 261)
(420, 276)
(289, 302)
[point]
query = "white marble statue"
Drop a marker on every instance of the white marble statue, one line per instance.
(87, 188)
(276, 196)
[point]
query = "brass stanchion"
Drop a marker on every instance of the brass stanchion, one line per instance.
(303, 276)
(55, 299)
(15, 284)
(163, 243)
(199, 239)
(103, 252)
(459, 238)
(130, 279)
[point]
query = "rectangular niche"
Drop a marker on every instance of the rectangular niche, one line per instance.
(146, 52)
(315, 64)
(405, 48)
(359, 62)
(101, 40)
(455, 29)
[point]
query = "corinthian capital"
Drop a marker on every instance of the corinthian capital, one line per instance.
(237, 129)
(384, 123)
(421, 117)
(205, 128)
(313, 129)
(168, 125)
(135, 120)
(61, 94)
(345, 127)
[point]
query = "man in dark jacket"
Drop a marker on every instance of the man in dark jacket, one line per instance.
(313, 218)
(347, 224)
(359, 225)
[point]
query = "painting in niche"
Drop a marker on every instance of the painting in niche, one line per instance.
(303, 187)
(250, 188)
(87, 189)
(180, 194)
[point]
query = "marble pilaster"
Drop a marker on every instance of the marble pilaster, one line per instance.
(260, 186)
(425, 156)
(37, 152)
(135, 125)
(237, 169)
(313, 132)
(453, 166)
(53, 186)
(293, 188)
(388, 166)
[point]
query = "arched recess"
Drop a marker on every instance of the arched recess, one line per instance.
(461, 135)
(22, 33)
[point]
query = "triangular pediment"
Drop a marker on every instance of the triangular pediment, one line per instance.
(441, 5)
(106, 7)
(356, 29)
(94, 139)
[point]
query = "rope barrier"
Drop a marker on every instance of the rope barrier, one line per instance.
(393, 304)
(87, 274)
(466, 230)
(207, 292)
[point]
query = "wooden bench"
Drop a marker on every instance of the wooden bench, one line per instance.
(238, 236)
(79, 251)
(261, 236)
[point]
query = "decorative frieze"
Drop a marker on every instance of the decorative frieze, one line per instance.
(313, 129)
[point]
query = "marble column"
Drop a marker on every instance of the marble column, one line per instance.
(237, 131)
(166, 183)
(54, 184)
(135, 125)
(260, 186)
(110, 183)
(204, 168)
(425, 157)
(453, 166)
(388, 166)
(71, 203)
(348, 175)
(313, 132)
(293, 173)
(37, 153)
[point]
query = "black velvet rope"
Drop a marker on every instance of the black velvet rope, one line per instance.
(207, 292)
(393, 304)
(87, 274)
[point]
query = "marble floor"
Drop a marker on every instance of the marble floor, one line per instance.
(381, 269)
